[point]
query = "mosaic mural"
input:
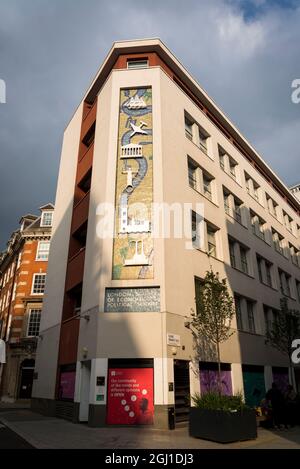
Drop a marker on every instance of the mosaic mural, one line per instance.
(133, 244)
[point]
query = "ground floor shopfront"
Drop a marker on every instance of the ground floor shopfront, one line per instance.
(149, 391)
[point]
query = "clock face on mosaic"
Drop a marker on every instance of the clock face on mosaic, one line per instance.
(133, 243)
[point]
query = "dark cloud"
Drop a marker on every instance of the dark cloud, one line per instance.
(50, 50)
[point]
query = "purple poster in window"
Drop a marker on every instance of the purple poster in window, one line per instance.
(281, 378)
(67, 385)
(209, 380)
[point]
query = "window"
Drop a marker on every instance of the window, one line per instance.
(278, 241)
(226, 202)
(38, 284)
(272, 206)
(43, 251)
(294, 252)
(134, 64)
(252, 187)
(211, 241)
(188, 128)
(258, 225)
(267, 317)
(34, 322)
(195, 230)
(19, 260)
(238, 312)
(222, 158)
(232, 167)
(14, 292)
(207, 189)
(203, 139)
(259, 267)
(269, 273)
(46, 219)
(250, 313)
(287, 221)
(232, 253)
(192, 172)
(244, 262)
(284, 280)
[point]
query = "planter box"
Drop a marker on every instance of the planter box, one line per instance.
(221, 426)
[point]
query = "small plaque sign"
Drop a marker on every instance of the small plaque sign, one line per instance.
(100, 381)
(135, 300)
(173, 339)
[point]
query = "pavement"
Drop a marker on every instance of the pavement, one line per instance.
(48, 432)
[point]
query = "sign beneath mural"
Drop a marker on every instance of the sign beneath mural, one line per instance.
(133, 244)
(132, 299)
(130, 396)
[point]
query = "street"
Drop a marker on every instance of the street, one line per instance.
(10, 440)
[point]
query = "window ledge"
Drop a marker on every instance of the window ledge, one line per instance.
(204, 252)
(200, 193)
(231, 177)
(241, 224)
(242, 272)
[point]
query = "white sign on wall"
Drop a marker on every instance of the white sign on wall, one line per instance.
(173, 339)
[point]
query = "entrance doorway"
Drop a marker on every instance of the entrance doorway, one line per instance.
(26, 379)
(182, 390)
(85, 391)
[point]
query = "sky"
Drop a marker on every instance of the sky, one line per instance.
(244, 53)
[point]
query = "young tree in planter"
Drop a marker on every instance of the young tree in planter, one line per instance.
(214, 313)
(284, 328)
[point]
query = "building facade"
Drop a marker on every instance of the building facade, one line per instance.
(23, 269)
(114, 345)
(295, 190)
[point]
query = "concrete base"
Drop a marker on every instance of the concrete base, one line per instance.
(43, 406)
(97, 413)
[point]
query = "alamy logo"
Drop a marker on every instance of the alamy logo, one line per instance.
(2, 92)
(295, 96)
(296, 353)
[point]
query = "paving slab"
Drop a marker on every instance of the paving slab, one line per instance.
(53, 433)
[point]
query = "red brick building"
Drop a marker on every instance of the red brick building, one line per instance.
(23, 267)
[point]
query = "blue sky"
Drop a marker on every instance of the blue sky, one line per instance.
(245, 54)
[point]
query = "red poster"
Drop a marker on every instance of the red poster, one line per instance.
(130, 396)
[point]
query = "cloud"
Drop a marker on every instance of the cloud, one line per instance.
(245, 54)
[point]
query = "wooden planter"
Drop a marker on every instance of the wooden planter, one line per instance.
(223, 426)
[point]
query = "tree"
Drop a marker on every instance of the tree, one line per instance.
(214, 313)
(281, 332)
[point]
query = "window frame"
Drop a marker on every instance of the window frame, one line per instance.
(43, 224)
(43, 274)
(38, 248)
(32, 311)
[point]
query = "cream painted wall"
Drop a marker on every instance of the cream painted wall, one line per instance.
(47, 351)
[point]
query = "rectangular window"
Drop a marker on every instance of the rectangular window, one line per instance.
(46, 219)
(195, 234)
(192, 173)
(188, 128)
(232, 167)
(232, 253)
(38, 284)
(207, 186)
(278, 241)
(294, 253)
(298, 290)
(238, 312)
(222, 158)
(259, 268)
(250, 312)
(268, 273)
(43, 251)
(267, 318)
(14, 291)
(284, 280)
(137, 64)
(211, 241)
(203, 139)
(244, 261)
(34, 322)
